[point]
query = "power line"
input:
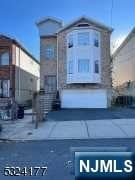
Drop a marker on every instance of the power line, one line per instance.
(111, 14)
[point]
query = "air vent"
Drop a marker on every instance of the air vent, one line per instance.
(83, 25)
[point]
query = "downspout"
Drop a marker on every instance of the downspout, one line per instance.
(19, 75)
(57, 66)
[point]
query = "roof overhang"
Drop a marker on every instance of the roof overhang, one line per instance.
(89, 20)
(42, 20)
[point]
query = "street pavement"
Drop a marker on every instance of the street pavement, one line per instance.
(55, 154)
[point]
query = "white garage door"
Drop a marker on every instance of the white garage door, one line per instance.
(84, 99)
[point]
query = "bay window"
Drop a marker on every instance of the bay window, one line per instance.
(83, 56)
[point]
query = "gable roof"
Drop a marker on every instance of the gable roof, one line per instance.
(89, 20)
(14, 41)
(125, 41)
(42, 20)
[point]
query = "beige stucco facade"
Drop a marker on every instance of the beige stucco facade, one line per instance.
(27, 75)
(124, 65)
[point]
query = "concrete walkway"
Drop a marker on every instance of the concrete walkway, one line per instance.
(84, 129)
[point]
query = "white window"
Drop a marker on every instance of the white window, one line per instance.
(70, 67)
(96, 39)
(96, 66)
(4, 88)
(70, 41)
(4, 58)
(83, 38)
(83, 65)
(49, 52)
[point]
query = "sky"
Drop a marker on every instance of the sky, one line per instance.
(18, 17)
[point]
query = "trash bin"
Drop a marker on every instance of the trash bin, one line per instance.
(20, 112)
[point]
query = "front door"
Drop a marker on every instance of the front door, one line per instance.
(50, 84)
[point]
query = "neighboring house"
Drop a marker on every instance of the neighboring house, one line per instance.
(75, 60)
(124, 66)
(19, 71)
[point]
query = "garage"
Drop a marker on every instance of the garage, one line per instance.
(84, 98)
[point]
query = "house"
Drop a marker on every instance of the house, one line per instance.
(19, 71)
(75, 61)
(124, 66)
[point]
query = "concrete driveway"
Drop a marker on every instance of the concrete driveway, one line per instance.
(91, 114)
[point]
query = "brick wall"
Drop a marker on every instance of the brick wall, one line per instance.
(48, 67)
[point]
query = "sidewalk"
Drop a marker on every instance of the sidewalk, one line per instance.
(88, 129)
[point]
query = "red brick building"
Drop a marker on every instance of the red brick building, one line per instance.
(19, 71)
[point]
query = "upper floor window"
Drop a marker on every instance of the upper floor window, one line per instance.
(83, 65)
(83, 38)
(70, 67)
(4, 58)
(70, 41)
(96, 66)
(96, 39)
(49, 52)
